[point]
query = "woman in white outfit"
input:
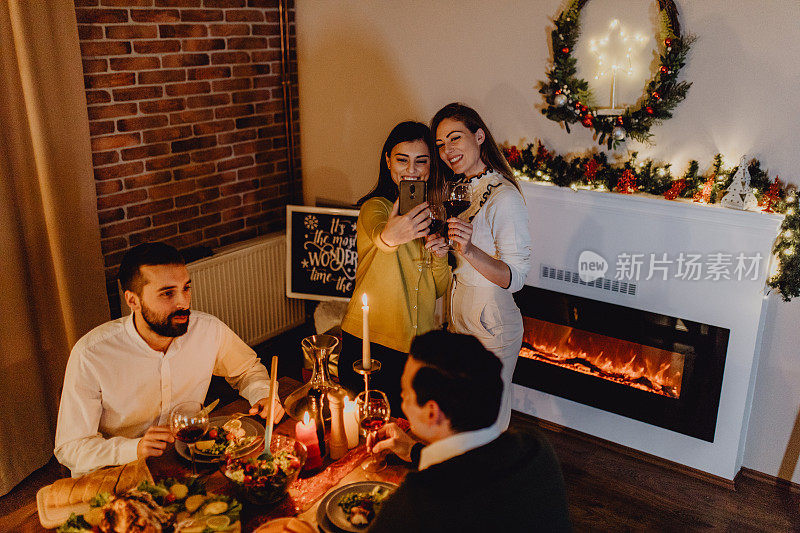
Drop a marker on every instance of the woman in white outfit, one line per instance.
(491, 240)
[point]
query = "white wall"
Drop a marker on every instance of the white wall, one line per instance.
(363, 66)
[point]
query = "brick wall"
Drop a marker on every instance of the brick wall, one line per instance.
(186, 120)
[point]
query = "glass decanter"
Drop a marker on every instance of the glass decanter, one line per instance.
(314, 394)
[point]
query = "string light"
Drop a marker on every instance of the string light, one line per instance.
(624, 41)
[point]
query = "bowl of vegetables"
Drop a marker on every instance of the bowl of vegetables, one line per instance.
(264, 480)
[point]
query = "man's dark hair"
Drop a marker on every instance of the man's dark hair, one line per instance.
(461, 376)
(148, 253)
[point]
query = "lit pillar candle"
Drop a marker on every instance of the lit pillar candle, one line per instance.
(306, 433)
(366, 359)
(351, 422)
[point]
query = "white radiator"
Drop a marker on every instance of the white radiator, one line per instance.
(244, 285)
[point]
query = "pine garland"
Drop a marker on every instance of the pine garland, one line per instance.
(535, 162)
(570, 100)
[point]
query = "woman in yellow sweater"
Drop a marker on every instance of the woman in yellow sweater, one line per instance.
(401, 293)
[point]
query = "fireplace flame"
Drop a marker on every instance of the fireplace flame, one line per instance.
(629, 363)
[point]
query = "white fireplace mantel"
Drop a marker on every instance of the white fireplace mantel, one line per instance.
(564, 223)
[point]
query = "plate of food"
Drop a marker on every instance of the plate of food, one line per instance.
(286, 525)
(169, 505)
(226, 437)
(353, 506)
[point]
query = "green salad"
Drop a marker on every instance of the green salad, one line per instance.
(361, 507)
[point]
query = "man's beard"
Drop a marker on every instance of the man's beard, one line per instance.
(165, 327)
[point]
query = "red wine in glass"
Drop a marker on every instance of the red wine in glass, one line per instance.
(373, 413)
(190, 434)
(188, 422)
(455, 207)
(373, 423)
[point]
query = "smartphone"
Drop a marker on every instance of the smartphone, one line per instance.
(412, 193)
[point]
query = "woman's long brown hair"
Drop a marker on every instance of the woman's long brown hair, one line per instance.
(490, 152)
(403, 132)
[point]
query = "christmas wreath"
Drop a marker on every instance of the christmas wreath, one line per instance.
(569, 98)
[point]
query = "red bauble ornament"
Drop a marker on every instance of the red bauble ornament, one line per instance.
(664, 69)
(587, 121)
(584, 109)
(558, 91)
(656, 95)
(578, 106)
(565, 50)
(619, 120)
(649, 110)
(667, 42)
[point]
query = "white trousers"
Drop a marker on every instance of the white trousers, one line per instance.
(491, 315)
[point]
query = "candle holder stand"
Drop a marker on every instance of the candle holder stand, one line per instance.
(358, 367)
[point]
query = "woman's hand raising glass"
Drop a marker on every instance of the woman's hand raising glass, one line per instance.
(460, 234)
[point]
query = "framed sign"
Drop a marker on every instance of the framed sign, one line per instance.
(321, 252)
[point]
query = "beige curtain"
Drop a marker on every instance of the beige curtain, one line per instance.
(52, 287)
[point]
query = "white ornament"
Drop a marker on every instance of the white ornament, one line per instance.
(560, 100)
(739, 195)
(618, 133)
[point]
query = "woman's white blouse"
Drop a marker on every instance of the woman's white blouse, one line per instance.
(499, 228)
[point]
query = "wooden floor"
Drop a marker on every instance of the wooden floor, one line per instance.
(609, 488)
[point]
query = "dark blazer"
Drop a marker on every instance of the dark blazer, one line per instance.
(513, 483)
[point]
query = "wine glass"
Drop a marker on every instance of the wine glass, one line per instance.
(373, 413)
(188, 422)
(437, 217)
(457, 202)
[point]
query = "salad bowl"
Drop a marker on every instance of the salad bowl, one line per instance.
(264, 480)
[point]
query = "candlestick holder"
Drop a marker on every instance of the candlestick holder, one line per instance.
(358, 367)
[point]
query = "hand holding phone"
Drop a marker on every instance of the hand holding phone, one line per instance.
(412, 193)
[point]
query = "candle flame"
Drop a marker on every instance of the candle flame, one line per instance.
(364, 299)
(306, 418)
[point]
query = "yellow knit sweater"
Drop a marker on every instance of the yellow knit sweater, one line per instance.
(401, 296)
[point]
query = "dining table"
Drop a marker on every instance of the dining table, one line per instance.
(303, 496)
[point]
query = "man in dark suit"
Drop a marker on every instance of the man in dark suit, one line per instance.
(471, 477)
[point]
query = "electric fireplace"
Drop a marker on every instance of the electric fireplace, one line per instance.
(663, 370)
(647, 359)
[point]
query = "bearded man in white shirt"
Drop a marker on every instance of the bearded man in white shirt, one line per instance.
(124, 377)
